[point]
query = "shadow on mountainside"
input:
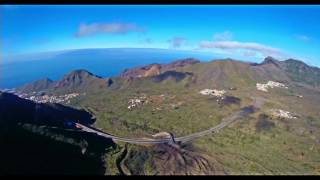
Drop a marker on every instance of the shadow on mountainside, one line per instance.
(30, 145)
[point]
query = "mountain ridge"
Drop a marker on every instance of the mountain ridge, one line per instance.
(212, 72)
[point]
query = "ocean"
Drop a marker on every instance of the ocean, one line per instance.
(102, 62)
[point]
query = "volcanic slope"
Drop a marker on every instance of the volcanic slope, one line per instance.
(170, 101)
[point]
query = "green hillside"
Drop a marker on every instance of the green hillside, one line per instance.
(260, 143)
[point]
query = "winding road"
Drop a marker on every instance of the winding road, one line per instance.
(257, 103)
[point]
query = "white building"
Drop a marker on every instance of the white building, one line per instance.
(270, 84)
(213, 92)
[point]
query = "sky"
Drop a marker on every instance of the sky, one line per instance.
(238, 31)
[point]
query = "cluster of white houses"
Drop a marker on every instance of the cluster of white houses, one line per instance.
(53, 99)
(213, 92)
(283, 114)
(269, 84)
(136, 102)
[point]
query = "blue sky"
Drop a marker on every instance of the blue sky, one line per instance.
(242, 32)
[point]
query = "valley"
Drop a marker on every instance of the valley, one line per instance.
(257, 124)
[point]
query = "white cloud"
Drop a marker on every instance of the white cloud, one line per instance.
(249, 54)
(224, 36)
(303, 38)
(114, 28)
(240, 46)
(177, 42)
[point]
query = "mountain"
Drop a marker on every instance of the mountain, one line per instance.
(37, 85)
(179, 63)
(216, 73)
(226, 72)
(145, 71)
(156, 69)
(270, 61)
(295, 70)
(300, 72)
(105, 62)
(82, 80)
(75, 81)
(78, 80)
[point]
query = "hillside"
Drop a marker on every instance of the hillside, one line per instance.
(301, 72)
(38, 85)
(54, 148)
(75, 81)
(35, 140)
(156, 69)
(186, 97)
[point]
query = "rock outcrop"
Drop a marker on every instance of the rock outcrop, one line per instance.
(156, 69)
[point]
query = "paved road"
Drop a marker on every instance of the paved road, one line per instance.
(225, 122)
(123, 139)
